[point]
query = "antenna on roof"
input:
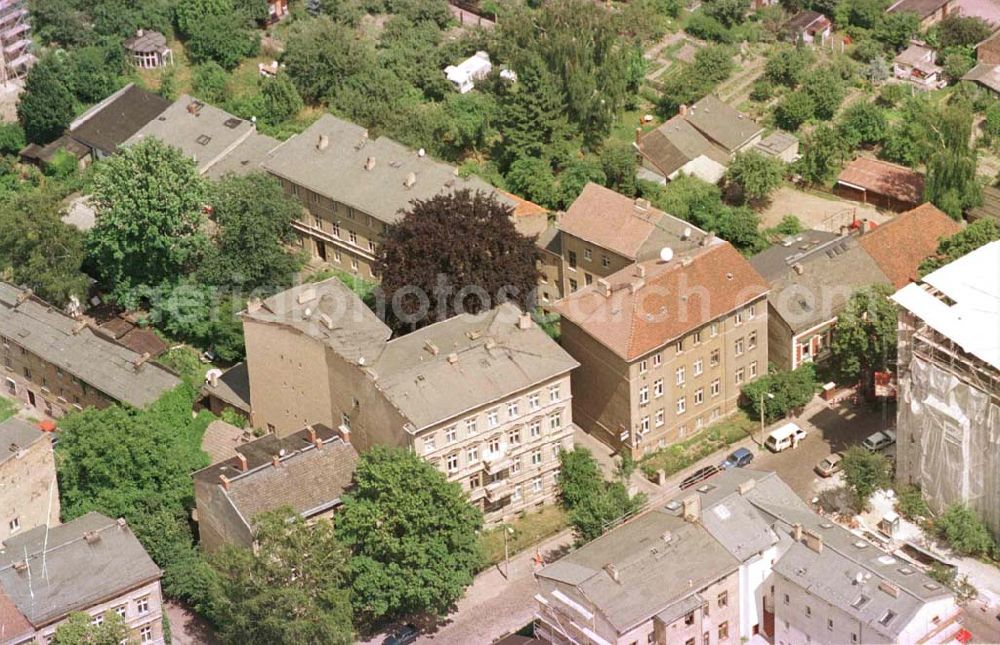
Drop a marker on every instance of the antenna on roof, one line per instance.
(45, 542)
(666, 254)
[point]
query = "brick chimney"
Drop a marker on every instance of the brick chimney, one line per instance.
(276, 461)
(344, 433)
(242, 460)
(311, 433)
(813, 540)
(524, 321)
(797, 532)
(692, 508)
(224, 481)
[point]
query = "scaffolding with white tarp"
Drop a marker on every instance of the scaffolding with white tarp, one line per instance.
(15, 40)
(948, 418)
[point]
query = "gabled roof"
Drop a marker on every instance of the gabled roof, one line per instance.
(986, 75)
(17, 434)
(816, 283)
(88, 355)
(922, 8)
(111, 122)
(87, 561)
(478, 359)
(330, 158)
(624, 225)
(677, 142)
(902, 243)
(991, 205)
(287, 471)
(805, 19)
(722, 124)
(146, 41)
(884, 178)
(635, 315)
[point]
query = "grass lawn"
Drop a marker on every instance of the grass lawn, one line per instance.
(530, 529)
(679, 456)
(7, 408)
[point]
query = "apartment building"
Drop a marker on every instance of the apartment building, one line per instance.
(353, 186)
(603, 232)
(739, 558)
(486, 398)
(307, 471)
(15, 40)
(94, 565)
(665, 346)
(949, 385)
(57, 363)
(29, 492)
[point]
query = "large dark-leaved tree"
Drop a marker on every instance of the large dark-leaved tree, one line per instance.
(463, 240)
(412, 535)
(292, 587)
(864, 339)
(45, 107)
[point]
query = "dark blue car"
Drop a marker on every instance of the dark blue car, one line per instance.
(740, 458)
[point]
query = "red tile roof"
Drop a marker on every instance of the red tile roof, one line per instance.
(672, 299)
(14, 624)
(901, 244)
(884, 178)
(610, 220)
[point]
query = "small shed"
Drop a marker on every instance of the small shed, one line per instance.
(808, 27)
(148, 49)
(883, 184)
(780, 145)
(464, 75)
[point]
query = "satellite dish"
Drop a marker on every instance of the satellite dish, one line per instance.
(666, 254)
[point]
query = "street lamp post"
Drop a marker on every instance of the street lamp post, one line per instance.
(762, 395)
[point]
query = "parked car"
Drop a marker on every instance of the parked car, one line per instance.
(787, 436)
(738, 459)
(402, 636)
(830, 465)
(699, 476)
(879, 440)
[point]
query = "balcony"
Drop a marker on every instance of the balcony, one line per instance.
(496, 490)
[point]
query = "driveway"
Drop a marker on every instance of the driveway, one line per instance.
(822, 212)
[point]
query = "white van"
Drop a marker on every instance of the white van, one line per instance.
(787, 436)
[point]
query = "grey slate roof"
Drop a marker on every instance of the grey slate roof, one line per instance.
(675, 143)
(354, 331)
(201, 131)
(654, 574)
(146, 41)
(830, 271)
(722, 124)
(97, 361)
(307, 479)
(494, 360)
(111, 122)
(776, 143)
(17, 434)
(338, 171)
(233, 387)
(245, 158)
(78, 573)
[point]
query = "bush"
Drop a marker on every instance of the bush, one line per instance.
(910, 502)
(701, 25)
(11, 138)
(965, 532)
(794, 110)
(210, 82)
(790, 389)
(593, 503)
(864, 473)
(762, 90)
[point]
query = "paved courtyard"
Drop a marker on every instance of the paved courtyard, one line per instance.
(822, 212)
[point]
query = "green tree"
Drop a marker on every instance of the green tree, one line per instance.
(789, 390)
(321, 55)
(575, 176)
(864, 338)
(95, 72)
(11, 138)
(189, 15)
(949, 249)
(618, 164)
(280, 98)
(45, 107)
(469, 239)
(472, 121)
(701, 25)
(224, 39)
(896, 29)
(826, 90)
(210, 82)
(251, 244)
(740, 226)
(412, 536)
(79, 629)
(728, 12)
(39, 249)
(593, 503)
(965, 532)
(148, 202)
(136, 464)
(532, 116)
(754, 175)
(292, 587)
(787, 66)
(864, 473)
(863, 123)
(794, 110)
(957, 30)
(203, 315)
(532, 179)
(877, 69)
(957, 61)
(823, 154)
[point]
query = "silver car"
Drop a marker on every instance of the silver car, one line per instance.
(879, 440)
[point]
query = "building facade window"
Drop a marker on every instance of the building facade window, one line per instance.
(142, 605)
(657, 359)
(698, 367)
(680, 376)
(429, 444)
(555, 422)
(713, 358)
(451, 435)
(536, 457)
(470, 426)
(588, 254)
(738, 346)
(452, 462)
(536, 485)
(699, 396)
(644, 395)
(514, 437)
(658, 421)
(643, 366)
(752, 340)
(533, 401)
(493, 418)
(658, 388)
(715, 387)
(472, 455)
(681, 405)
(554, 393)
(753, 369)
(723, 630)
(644, 425)
(512, 409)
(722, 600)
(739, 376)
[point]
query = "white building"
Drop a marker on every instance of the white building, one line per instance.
(464, 75)
(948, 416)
